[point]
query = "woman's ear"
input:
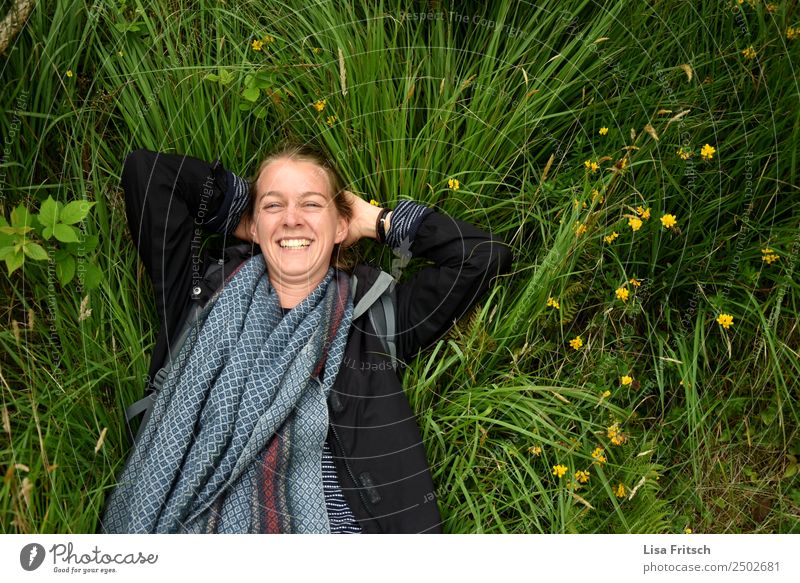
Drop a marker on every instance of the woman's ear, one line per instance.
(342, 229)
(253, 230)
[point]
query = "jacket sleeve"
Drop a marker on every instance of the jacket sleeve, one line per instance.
(466, 259)
(169, 200)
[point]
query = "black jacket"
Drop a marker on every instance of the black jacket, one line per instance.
(379, 456)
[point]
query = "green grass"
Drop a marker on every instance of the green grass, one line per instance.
(512, 111)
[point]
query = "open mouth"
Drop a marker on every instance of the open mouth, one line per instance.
(294, 243)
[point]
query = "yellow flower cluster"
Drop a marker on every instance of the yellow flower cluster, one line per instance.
(619, 491)
(535, 450)
(749, 53)
(610, 238)
(615, 435)
(576, 342)
(592, 165)
(635, 223)
(319, 104)
(792, 33)
(582, 476)
(580, 229)
(331, 120)
(596, 194)
(725, 320)
(684, 154)
(603, 131)
(599, 455)
(769, 256)
(69, 72)
(669, 221)
(635, 282)
(559, 470)
(622, 294)
(643, 212)
(551, 302)
(257, 45)
(707, 152)
(454, 184)
(606, 394)
(626, 379)
(374, 202)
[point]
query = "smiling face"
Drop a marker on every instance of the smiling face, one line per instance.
(296, 222)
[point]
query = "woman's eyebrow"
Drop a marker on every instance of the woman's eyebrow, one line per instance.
(280, 194)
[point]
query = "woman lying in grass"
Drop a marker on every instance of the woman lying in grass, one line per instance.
(282, 411)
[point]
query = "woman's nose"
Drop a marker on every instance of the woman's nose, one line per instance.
(292, 216)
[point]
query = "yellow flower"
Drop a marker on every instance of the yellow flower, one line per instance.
(622, 294)
(593, 166)
(769, 256)
(331, 120)
(749, 53)
(610, 238)
(603, 131)
(553, 303)
(582, 476)
(606, 394)
(643, 212)
(615, 435)
(622, 163)
(576, 342)
(535, 450)
(316, 50)
(772, 7)
(597, 454)
(454, 184)
(319, 104)
(596, 194)
(687, 530)
(725, 320)
(374, 202)
(69, 72)
(684, 154)
(581, 229)
(707, 152)
(792, 33)
(256, 46)
(635, 223)
(120, 53)
(619, 491)
(635, 282)
(626, 379)
(669, 221)
(559, 470)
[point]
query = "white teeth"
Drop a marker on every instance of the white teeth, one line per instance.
(295, 243)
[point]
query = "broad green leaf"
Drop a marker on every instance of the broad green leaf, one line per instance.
(225, 77)
(260, 112)
(48, 213)
(6, 251)
(35, 251)
(65, 233)
(21, 217)
(76, 211)
(251, 94)
(83, 246)
(14, 261)
(93, 276)
(47, 233)
(65, 269)
(211, 77)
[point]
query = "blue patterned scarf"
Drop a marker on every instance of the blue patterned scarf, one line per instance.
(234, 442)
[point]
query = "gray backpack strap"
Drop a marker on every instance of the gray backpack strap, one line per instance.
(145, 404)
(382, 283)
(378, 302)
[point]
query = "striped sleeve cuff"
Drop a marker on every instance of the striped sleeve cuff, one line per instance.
(237, 191)
(406, 218)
